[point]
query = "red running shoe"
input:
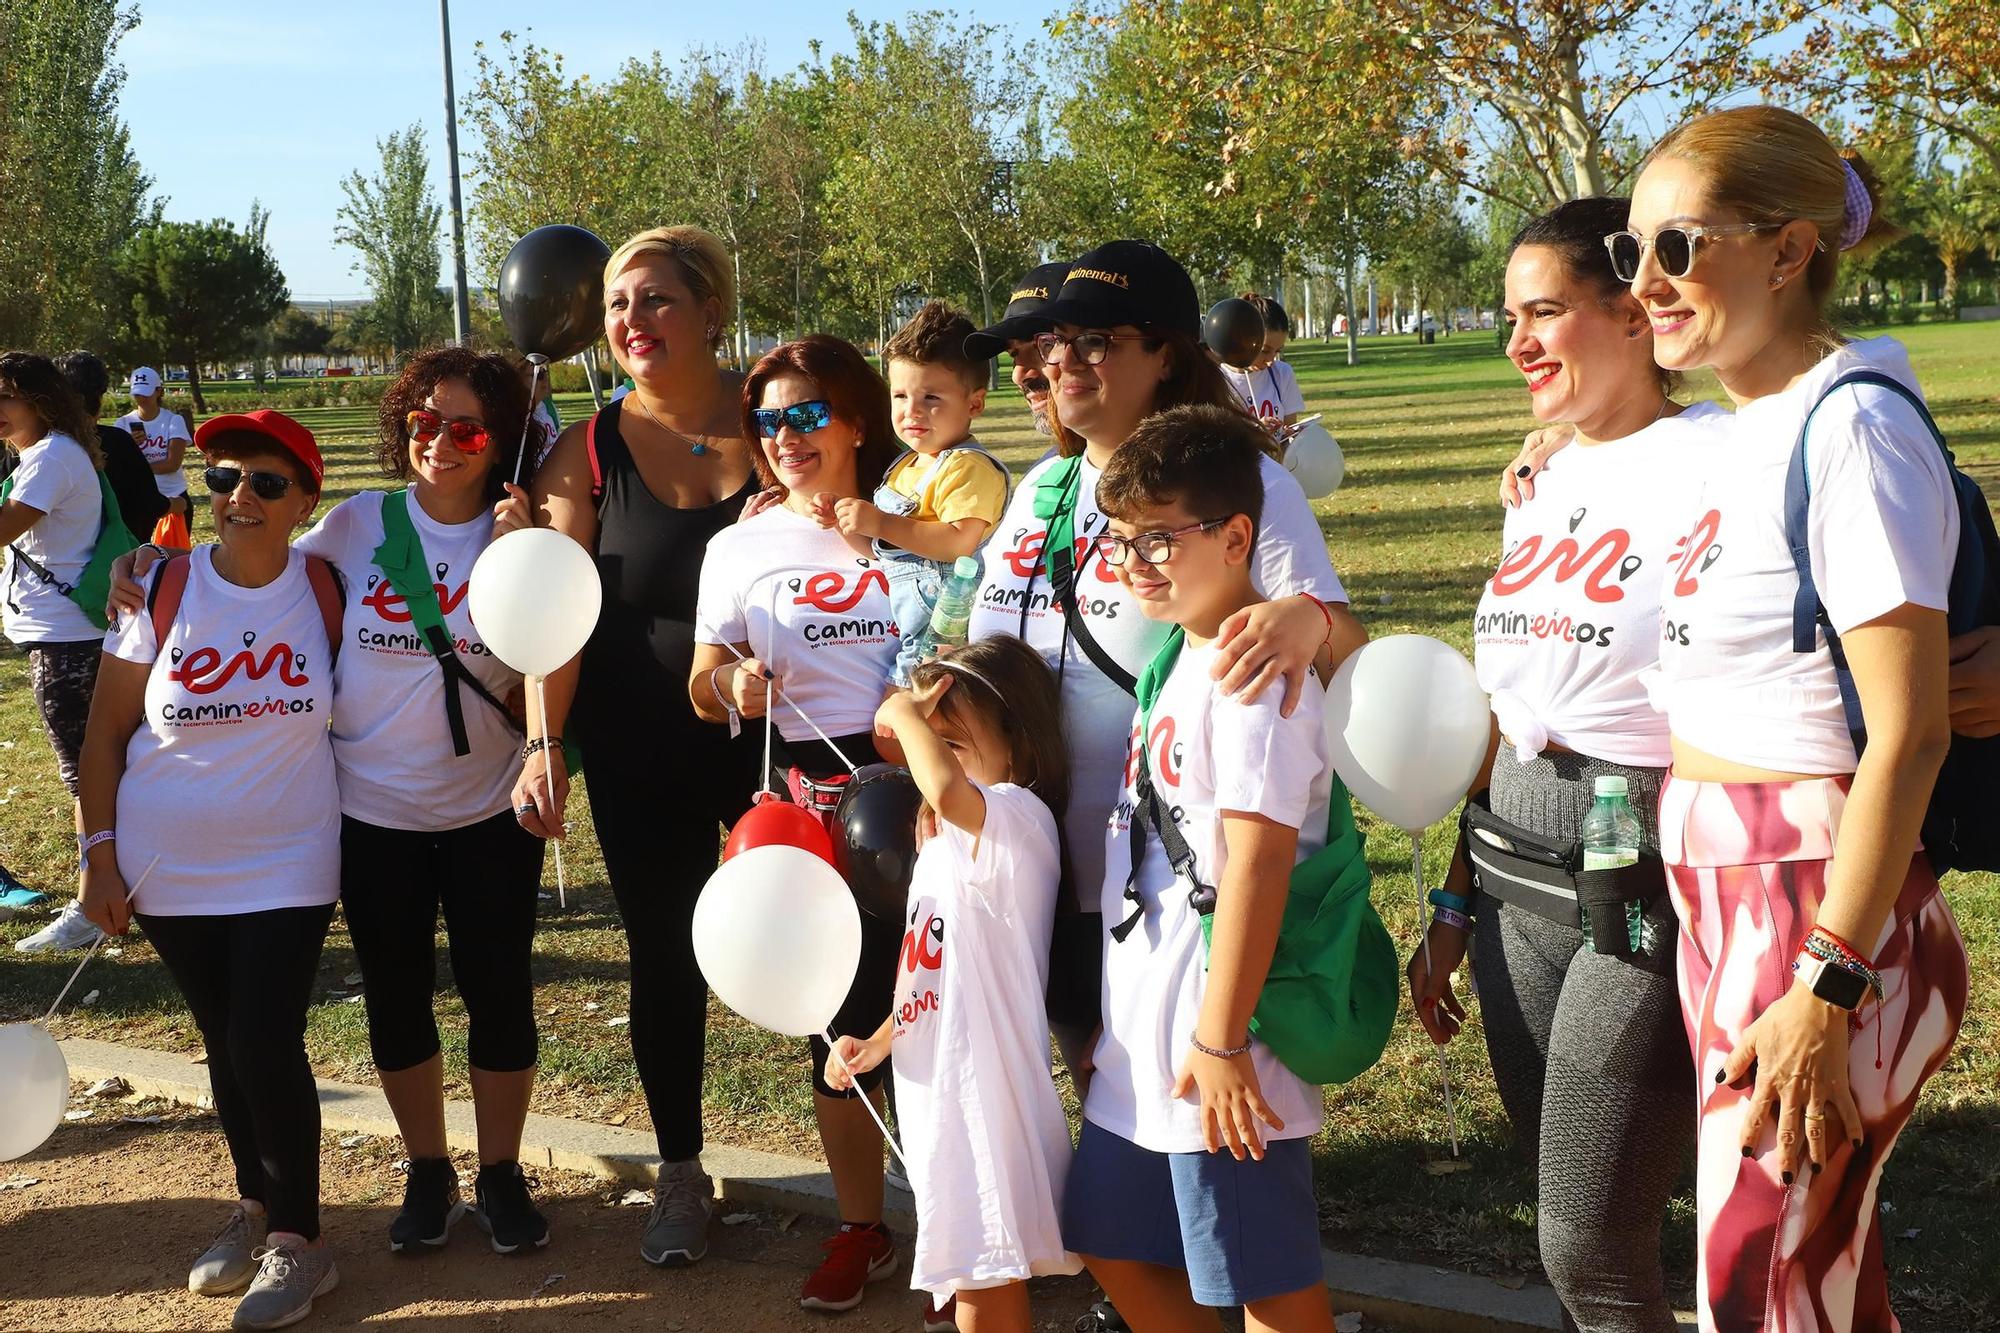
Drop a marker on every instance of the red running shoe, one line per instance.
(940, 1318)
(855, 1256)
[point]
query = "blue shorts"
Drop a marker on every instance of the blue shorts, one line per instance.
(1242, 1231)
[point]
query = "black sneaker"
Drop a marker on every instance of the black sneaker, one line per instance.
(507, 1211)
(431, 1203)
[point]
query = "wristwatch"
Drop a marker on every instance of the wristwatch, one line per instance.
(1837, 985)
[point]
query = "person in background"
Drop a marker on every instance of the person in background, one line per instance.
(643, 485)
(140, 501)
(1267, 388)
(544, 425)
(163, 437)
(210, 816)
(944, 493)
(50, 519)
(1015, 335)
(1586, 1046)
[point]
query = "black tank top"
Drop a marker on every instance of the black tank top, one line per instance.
(632, 701)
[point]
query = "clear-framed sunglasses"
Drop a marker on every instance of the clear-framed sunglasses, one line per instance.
(1673, 247)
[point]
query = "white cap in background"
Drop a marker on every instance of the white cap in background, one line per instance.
(145, 380)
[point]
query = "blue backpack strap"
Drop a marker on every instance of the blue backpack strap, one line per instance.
(1808, 612)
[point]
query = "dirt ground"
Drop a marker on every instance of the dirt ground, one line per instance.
(103, 1240)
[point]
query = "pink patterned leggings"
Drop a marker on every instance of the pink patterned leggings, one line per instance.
(1747, 866)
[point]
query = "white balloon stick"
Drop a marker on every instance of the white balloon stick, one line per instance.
(851, 766)
(1417, 873)
(861, 1095)
(549, 776)
(535, 360)
(90, 953)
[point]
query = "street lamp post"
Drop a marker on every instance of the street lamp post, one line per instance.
(461, 311)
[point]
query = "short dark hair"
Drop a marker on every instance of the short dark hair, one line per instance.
(1575, 231)
(503, 407)
(935, 336)
(1207, 459)
(87, 375)
(254, 446)
(857, 395)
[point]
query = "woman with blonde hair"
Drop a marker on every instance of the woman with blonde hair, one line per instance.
(644, 484)
(1823, 978)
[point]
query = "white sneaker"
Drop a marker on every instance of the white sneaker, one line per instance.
(70, 930)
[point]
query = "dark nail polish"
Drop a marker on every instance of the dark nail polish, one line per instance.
(1523, 470)
(1817, 1168)
(1720, 1074)
(767, 675)
(1748, 1151)
(1785, 1176)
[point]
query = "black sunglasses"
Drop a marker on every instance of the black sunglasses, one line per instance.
(264, 485)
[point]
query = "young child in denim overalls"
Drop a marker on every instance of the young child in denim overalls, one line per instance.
(941, 498)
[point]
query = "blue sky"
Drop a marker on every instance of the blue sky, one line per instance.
(234, 100)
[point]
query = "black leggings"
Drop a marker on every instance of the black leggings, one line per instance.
(64, 677)
(248, 980)
(484, 876)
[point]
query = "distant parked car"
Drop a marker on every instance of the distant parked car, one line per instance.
(340, 370)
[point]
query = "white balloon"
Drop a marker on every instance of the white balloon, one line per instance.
(1314, 457)
(535, 598)
(778, 937)
(34, 1088)
(1408, 727)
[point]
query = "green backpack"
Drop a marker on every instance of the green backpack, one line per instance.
(1330, 998)
(93, 586)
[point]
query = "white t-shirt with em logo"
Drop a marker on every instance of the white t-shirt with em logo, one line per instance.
(161, 432)
(1270, 394)
(1207, 754)
(1882, 531)
(1571, 617)
(229, 776)
(1097, 714)
(979, 1113)
(811, 609)
(391, 737)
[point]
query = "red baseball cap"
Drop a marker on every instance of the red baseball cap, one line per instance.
(276, 427)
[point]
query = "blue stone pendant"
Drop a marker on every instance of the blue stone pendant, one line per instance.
(700, 449)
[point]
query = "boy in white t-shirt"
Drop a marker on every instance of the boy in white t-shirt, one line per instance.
(942, 496)
(1166, 1220)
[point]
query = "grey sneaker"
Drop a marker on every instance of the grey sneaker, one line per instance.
(70, 930)
(683, 1200)
(227, 1265)
(289, 1279)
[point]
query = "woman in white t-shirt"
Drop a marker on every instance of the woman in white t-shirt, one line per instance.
(162, 437)
(209, 800)
(1587, 1046)
(1823, 978)
(983, 1129)
(791, 619)
(50, 518)
(1122, 341)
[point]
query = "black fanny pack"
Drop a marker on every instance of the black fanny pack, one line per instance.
(1536, 874)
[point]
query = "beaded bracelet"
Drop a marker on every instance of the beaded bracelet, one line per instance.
(1229, 1054)
(1445, 898)
(1817, 945)
(1450, 918)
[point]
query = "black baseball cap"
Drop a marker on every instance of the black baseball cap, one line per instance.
(1126, 282)
(1030, 294)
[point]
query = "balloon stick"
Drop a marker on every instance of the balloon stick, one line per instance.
(851, 766)
(90, 953)
(1444, 1073)
(867, 1102)
(769, 712)
(548, 776)
(535, 362)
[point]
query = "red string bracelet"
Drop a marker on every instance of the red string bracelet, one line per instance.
(1324, 610)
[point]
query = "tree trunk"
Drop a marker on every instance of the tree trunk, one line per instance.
(742, 333)
(194, 388)
(986, 310)
(1353, 333)
(1950, 263)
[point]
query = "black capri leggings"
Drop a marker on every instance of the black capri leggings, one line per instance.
(485, 877)
(248, 980)
(869, 998)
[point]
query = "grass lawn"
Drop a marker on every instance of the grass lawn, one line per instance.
(1414, 531)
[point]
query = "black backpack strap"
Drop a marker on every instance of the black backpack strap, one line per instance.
(1062, 582)
(1151, 812)
(1809, 617)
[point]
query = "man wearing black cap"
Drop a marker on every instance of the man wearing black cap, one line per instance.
(1015, 335)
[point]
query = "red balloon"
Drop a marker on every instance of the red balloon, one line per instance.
(774, 821)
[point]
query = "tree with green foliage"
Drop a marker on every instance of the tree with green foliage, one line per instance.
(201, 292)
(392, 219)
(296, 333)
(1958, 210)
(73, 190)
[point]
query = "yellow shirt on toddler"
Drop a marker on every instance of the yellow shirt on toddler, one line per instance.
(962, 481)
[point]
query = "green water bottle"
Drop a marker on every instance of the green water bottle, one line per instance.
(1611, 837)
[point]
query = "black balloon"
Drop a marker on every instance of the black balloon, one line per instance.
(1234, 331)
(875, 841)
(552, 291)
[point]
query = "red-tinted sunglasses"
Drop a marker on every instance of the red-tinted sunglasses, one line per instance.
(467, 436)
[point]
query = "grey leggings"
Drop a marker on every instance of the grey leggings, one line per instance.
(1592, 1063)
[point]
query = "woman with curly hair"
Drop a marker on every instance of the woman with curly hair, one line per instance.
(427, 750)
(51, 510)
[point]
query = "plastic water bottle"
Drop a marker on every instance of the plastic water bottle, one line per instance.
(951, 618)
(1611, 837)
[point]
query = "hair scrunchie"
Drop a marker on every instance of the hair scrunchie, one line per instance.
(1860, 209)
